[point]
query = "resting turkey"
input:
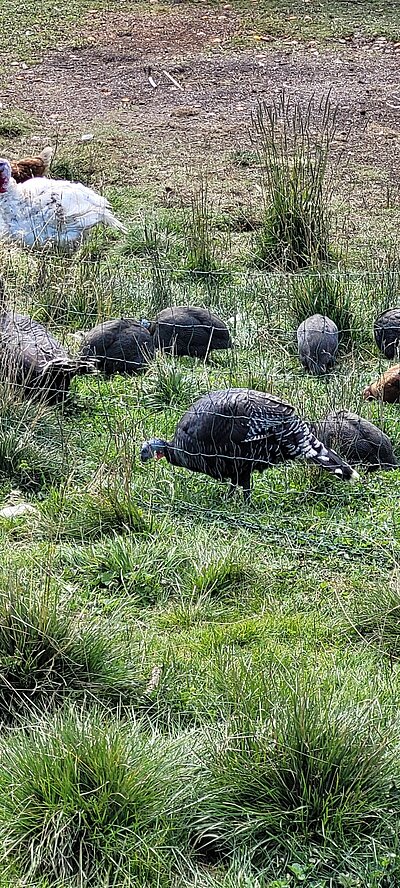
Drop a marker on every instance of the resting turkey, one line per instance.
(189, 330)
(120, 346)
(356, 439)
(54, 212)
(34, 360)
(230, 434)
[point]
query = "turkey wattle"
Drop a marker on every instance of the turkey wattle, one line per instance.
(230, 434)
(55, 212)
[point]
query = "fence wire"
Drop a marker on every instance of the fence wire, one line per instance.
(99, 428)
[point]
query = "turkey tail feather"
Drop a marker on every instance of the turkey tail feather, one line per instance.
(113, 222)
(72, 366)
(322, 456)
(46, 156)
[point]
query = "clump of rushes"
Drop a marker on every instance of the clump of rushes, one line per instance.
(47, 653)
(86, 797)
(200, 244)
(312, 775)
(294, 146)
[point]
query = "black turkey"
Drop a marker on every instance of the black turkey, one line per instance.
(232, 433)
(356, 439)
(185, 330)
(387, 333)
(120, 346)
(318, 342)
(34, 360)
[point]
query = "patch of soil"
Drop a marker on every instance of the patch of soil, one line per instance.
(120, 78)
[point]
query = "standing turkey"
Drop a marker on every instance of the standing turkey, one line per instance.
(318, 342)
(386, 387)
(230, 434)
(356, 439)
(34, 360)
(120, 346)
(189, 330)
(42, 212)
(387, 333)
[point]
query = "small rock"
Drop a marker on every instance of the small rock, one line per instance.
(87, 137)
(17, 510)
(185, 111)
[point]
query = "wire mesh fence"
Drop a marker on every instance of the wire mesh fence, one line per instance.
(97, 431)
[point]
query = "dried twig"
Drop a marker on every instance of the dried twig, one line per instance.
(172, 79)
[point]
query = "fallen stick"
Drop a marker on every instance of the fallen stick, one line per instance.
(172, 79)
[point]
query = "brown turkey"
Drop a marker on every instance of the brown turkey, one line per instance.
(31, 167)
(386, 388)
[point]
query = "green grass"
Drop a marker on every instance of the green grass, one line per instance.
(259, 643)
(89, 798)
(48, 654)
(315, 19)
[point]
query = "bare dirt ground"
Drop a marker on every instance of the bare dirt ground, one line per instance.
(106, 83)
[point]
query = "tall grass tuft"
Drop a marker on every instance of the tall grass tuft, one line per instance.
(312, 775)
(376, 619)
(201, 247)
(384, 280)
(325, 294)
(294, 146)
(47, 654)
(157, 248)
(33, 445)
(72, 293)
(169, 383)
(87, 797)
(85, 514)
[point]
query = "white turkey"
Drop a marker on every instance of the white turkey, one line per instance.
(230, 434)
(41, 212)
